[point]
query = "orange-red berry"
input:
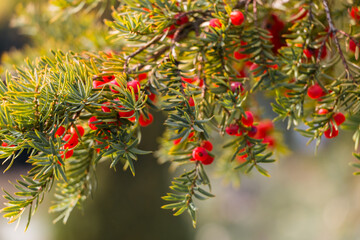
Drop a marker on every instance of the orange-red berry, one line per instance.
(339, 118)
(80, 129)
(322, 111)
(237, 18)
(108, 78)
(134, 85)
(248, 119)
(232, 129)
(315, 91)
(252, 131)
(208, 160)
(207, 145)
(60, 131)
(144, 122)
(331, 132)
(68, 154)
(71, 140)
(200, 154)
(91, 122)
(215, 23)
(181, 19)
(114, 82)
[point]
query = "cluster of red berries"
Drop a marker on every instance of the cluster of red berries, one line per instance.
(5, 144)
(259, 131)
(276, 28)
(71, 139)
(332, 129)
(180, 19)
(236, 17)
(354, 14)
(263, 132)
(247, 121)
(201, 153)
(134, 86)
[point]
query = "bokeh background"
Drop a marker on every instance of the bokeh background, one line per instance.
(308, 196)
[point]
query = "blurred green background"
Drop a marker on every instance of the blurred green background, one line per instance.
(308, 196)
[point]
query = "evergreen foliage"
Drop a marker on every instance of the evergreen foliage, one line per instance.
(189, 60)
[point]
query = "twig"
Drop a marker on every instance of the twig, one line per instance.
(128, 58)
(333, 30)
(255, 13)
(350, 37)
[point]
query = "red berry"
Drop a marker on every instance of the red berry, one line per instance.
(232, 129)
(98, 84)
(208, 160)
(142, 76)
(80, 129)
(331, 132)
(269, 140)
(237, 18)
(253, 67)
(152, 96)
(308, 53)
(252, 131)
(200, 154)
(5, 144)
(215, 23)
(236, 87)
(191, 135)
(91, 124)
(144, 122)
(315, 91)
(68, 154)
(177, 141)
(126, 114)
(106, 109)
(71, 140)
(170, 29)
(263, 128)
(248, 120)
(191, 102)
(323, 52)
(238, 55)
(352, 45)
(60, 131)
(114, 82)
(181, 19)
(354, 13)
(242, 158)
(207, 145)
(108, 78)
(239, 133)
(188, 80)
(322, 111)
(339, 118)
(134, 85)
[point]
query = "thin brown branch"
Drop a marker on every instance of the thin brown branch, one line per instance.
(333, 30)
(350, 37)
(151, 42)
